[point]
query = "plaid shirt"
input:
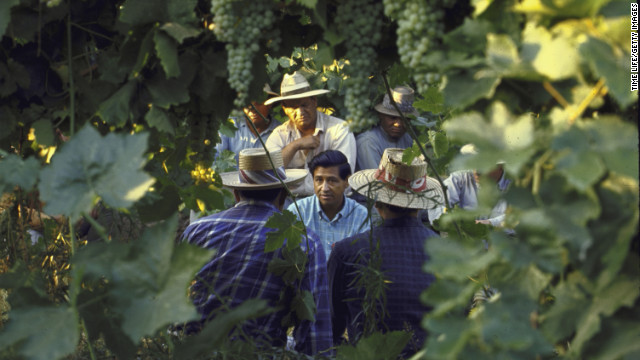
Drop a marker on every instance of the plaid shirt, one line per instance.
(351, 220)
(238, 272)
(402, 242)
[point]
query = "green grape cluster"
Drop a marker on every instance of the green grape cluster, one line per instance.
(420, 28)
(202, 174)
(360, 22)
(242, 25)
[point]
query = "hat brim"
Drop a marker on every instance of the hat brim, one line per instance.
(383, 110)
(297, 96)
(294, 176)
(365, 183)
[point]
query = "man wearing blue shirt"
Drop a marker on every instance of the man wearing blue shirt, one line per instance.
(396, 249)
(329, 213)
(389, 133)
(245, 137)
(238, 271)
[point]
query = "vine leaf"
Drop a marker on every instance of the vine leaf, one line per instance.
(304, 306)
(42, 332)
(158, 118)
(148, 278)
(376, 346)
(90, 166)
(16, 172)
(115, 110)
(5, 14)
(167, 49)
(286, 226)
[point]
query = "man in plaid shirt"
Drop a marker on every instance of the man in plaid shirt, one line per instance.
(238, 270)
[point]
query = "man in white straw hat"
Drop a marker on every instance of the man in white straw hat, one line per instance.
(390, 132)
(308, 131)
(238, 270)
(399, 191)
(245, 137)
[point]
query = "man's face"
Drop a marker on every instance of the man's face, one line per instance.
(255, 117)
(302, 112)
(392, 125)
(329, 187)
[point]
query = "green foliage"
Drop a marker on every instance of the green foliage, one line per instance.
(143, 91)
(90, 166)
(377, 346)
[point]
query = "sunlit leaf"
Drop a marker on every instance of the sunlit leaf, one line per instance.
(179, 31)
(91, 166)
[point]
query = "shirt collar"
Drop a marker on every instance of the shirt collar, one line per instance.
(256, 203)
(342, 213)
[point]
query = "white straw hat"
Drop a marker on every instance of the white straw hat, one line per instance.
(295, 86)
(255, 171)
(403, 96)
(399, 184)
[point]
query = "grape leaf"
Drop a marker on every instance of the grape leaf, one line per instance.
(44, 132)
(614, 66)
(376, 346)
(286, 226)
(42, 332)
(148, 278)
(179, 31)
(167, 49)
(465, 88)
(158, 118)
(5, 14)
(90, 166)
(18, 172)
(115, 110)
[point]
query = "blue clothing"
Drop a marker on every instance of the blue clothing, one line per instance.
(238, 272)
(371, 144)
(244, 138)
(462, 190)
(351, 220)
(402, 250)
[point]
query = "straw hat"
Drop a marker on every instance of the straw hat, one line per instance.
(295, 86)
(255, 171)
(403, 96)
(399, 184)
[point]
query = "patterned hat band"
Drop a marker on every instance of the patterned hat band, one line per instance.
(257, 177)
(296, 91)
(396, 183)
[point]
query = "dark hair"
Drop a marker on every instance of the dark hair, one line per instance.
(331, 158)
(260, 195)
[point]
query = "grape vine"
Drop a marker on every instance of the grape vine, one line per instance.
(361, 21)
(242, 24)
(420, 27)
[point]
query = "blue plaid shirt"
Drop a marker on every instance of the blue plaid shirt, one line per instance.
(402, 248)
(351, 220)
(238, 272)
(243, 138)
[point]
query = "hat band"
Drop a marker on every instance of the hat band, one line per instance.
(404, 106)
(295, 91)
(260, 177)
(398, 184)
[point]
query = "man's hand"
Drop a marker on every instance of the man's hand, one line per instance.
(303, 144)
(308, 142)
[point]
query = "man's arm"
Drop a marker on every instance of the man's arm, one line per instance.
(343, 140)
(367, 152)
(304, 143)
(339, 311)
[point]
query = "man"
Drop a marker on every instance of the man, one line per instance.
(390, 132)
(462, 190)
(239, 269)
(399, 191)
(329, 213)
(308, 131)
(245, 137)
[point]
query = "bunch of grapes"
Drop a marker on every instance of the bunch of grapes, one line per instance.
(420, 28)
(360, 22)
(241, 24)
(202, 174)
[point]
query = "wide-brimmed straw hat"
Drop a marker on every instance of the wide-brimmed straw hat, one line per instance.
(295, 86)
(399, 184)
(403, 96)
(255, 171)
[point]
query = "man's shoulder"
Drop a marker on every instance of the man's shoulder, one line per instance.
(369, 136)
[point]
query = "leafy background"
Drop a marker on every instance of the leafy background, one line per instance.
(142, 91)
